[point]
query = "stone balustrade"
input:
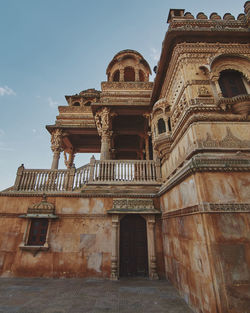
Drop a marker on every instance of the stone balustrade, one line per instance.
(96, 172)
(41, 180)
(132, 171)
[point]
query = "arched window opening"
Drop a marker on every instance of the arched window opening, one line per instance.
(116, 76)
(161, 126)
(87, 104)
(76, 104)
(141, 76)
(169, 124)
(129, 74)
(231, 83)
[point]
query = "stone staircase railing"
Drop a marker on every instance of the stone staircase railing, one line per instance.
(96, 172)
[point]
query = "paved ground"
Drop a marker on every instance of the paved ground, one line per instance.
(41, 295)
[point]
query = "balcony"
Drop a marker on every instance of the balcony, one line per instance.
(239, 104)
(108, 172)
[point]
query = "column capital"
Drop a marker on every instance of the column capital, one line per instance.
(102, 120)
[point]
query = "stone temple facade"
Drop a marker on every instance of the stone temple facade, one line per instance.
(170, 195)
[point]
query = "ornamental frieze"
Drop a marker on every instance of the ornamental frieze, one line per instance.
(229, 141)
(137, 204)
(127, 85)
(209, 208)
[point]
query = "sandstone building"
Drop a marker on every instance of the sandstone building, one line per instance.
(170, 195)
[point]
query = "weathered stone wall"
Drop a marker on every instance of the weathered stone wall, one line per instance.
(229, 247)
(206, 230)
(208, 136)
(79, 240)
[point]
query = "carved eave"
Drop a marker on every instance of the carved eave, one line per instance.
(191, 31)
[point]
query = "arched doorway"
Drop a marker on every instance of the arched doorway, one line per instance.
(133, 246)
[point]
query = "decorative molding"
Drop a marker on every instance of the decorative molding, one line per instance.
(127, 85)
(205, 163)
(229, 141)
(133, 206)
(208, 208)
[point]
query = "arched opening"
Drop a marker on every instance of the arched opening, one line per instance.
(76, 104)
(133, 246)
(169, 124)
(161, 126)
(116, 76)
(87, 104)
(129, 74)
(231, 83)
(141, 76)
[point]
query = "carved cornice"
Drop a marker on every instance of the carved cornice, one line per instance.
(208, 25)
(209, 208)
(206, 163)
(75, 109)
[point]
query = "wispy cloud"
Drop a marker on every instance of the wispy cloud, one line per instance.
(52, 103)
(4, 148)
(5, 90)
(155, 54)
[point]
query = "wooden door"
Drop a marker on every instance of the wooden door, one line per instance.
(133, 246)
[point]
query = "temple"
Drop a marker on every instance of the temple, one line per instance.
(170, 195)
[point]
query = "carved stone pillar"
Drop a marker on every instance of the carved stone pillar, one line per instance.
(215, 80)
(137, 77)
(56, 147)
(103, 122)
(106, 145)
(151, 247)
(114, 243)
(147, 147)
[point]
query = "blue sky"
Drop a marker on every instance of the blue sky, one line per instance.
(52, 48)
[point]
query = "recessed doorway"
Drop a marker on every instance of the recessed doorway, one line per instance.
(133, 246)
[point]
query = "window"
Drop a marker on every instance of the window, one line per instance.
(231, 83)
(161, 126)
(38, 232)
(116, 76)
(87, 104)
(76, 104)
(129, 74)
